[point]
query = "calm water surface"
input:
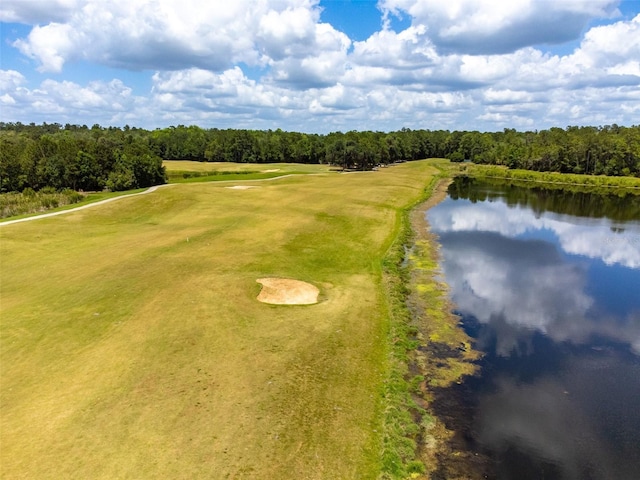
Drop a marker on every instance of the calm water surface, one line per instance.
(548, 283)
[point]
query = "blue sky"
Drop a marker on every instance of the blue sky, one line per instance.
(320, 66)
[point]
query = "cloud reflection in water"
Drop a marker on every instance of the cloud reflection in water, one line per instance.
(522, 273)
(593, 238)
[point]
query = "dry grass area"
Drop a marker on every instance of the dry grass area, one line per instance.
(281, 168)
(133, 346)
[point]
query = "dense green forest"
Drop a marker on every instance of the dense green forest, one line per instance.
(83, 158)
(78, 158)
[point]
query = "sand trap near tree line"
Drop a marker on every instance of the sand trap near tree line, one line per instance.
(271, 170)
(241, 187)
(284, 291)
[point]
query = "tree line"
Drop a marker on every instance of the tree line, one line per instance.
(51, 156)
(83, 158)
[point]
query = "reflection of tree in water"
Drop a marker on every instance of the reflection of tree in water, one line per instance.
(565, 199)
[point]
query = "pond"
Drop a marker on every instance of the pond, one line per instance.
(548, 285)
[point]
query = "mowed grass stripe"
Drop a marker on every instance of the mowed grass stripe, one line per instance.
(227, 167)
(133, 345)
(186, 171)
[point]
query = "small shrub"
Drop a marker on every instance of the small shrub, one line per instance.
(72, 196)
(49, 202)
(29, 201)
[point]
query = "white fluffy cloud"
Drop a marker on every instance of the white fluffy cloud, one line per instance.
(317, 62)
(487, 26)
(170, 35)
(410, 48)
(212, 91)
(37, 11)
(289, 32)
(51, 45)
(97, 102)
(10, 80)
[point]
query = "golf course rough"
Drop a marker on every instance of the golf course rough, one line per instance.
(133, 345)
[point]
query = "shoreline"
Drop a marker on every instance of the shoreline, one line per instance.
(444, 354)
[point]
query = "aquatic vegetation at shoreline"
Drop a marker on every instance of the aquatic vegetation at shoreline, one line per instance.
(429, 349)
(446, 353)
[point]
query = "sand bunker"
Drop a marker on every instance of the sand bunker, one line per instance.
(271, 170)
(241, 187)
(284, 291)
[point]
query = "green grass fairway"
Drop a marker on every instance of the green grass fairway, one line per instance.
(133, 347)
(283, 168)
(184, 171)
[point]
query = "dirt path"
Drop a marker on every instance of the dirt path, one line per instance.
(89, 205)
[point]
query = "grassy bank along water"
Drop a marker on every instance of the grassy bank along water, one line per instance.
(429, 349)
(402, 414)
(555, 180)
(445, 354)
